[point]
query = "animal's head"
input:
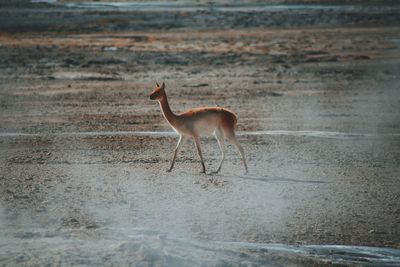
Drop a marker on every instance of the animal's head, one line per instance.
(158, 92)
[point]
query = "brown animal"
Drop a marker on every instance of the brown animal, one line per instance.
(199, 121)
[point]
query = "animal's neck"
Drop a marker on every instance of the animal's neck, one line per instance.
(167, 112)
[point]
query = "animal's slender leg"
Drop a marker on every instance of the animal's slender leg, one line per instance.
(182, 140)
(231, 136)
(197, 142)
(220, 139)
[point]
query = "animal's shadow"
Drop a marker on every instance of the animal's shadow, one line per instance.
(269, 179)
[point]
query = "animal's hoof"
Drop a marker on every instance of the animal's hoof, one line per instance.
(203, 171)
(169, 170)
(215, 172)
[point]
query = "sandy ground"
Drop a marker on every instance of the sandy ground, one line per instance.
(83, 151)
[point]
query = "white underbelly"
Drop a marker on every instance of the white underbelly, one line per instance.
(201, 127)
(205, 127)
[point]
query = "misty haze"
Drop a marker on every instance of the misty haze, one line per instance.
(85, 152)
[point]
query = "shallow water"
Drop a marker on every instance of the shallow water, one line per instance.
(145, 247)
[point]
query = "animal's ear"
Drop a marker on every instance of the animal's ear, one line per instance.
(163, 85)
(157, 84)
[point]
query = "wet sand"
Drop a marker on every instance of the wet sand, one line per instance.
(83, 151)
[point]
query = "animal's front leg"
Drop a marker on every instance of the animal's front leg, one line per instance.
(178, 146)
(197, 142)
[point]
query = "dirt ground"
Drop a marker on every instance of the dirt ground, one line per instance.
(84, 151)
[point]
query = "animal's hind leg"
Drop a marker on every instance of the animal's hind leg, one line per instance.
(220, 139)
(230, 134)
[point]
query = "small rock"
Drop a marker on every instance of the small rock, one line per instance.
(92, 226)
(19, 258)
(275, 94)
(196, 85)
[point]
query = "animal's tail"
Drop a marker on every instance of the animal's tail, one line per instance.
(231, 118)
